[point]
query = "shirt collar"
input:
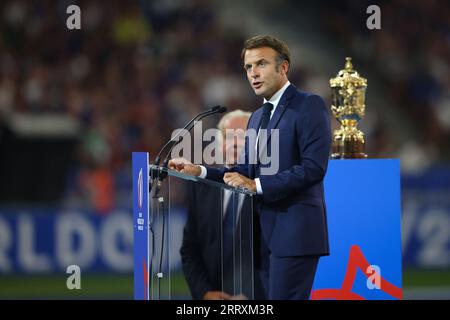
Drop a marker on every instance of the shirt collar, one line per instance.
(275, 99)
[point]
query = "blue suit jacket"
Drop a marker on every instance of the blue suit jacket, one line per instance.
(292, 209)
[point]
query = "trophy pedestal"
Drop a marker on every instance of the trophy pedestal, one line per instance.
(348, 142)
(364, 223)
(348, 150)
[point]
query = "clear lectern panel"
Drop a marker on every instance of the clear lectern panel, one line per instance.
(200, 239)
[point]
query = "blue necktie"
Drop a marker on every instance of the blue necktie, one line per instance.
(267, 109)
(265, 118)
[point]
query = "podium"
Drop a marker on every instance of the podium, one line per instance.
(364, 224)
(364, 227)
(179, 238)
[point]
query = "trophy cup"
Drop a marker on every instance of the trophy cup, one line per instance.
(348, 106)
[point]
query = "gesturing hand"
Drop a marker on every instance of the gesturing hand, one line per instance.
(184, 166)
(235, 179)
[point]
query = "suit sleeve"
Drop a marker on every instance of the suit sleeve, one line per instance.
(314, 143)
(217, 174)
(192, 262)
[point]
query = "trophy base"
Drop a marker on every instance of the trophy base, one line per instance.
(348, 156)
(348, 150)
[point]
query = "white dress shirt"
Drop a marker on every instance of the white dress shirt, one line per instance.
(274, 100)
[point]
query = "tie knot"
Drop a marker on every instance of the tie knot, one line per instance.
(267, 107)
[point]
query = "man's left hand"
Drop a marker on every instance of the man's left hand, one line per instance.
(235, 179)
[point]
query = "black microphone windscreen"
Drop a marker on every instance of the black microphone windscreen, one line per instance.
(215, 109)
(222, 109)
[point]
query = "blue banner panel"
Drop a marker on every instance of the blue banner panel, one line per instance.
(363, 209)
(48, 240)
(426, 218)
(140, 224)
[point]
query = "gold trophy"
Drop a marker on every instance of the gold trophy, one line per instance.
(348, 106)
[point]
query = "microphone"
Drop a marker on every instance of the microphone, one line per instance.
(214, 110)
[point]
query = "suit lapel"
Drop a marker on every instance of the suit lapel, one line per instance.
(281, 107)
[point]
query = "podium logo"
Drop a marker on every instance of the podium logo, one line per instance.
(74, 280)
(357, 260)
(140, 187)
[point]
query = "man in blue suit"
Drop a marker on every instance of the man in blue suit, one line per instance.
(290, 202)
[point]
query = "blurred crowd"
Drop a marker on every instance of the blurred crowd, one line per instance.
(138, 70)
(132, 74)
(411, 55)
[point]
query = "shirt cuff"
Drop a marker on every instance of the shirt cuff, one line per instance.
(203, 173)
(258, 186)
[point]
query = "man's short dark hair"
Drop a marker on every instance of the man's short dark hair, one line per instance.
(268, 41)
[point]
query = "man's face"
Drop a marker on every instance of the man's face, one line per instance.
(234, 141)
(264, 75)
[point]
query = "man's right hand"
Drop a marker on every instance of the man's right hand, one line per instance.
(216, 295)
(184, 166)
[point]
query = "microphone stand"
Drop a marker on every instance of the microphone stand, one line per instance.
(157, 175)
(157, 172)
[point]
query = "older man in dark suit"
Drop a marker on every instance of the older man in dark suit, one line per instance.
(208, 268)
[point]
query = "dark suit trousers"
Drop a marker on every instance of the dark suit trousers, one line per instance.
(287, 278)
